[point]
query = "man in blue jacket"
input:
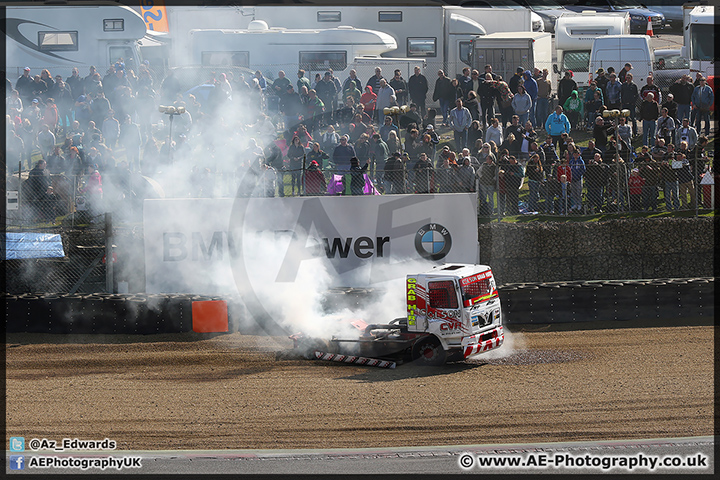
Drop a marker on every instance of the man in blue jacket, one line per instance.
(531, 87)
(702, 99)
(556, 124)
(577, 169)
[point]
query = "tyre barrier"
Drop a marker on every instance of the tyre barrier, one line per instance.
(568, 302)
(541, 303)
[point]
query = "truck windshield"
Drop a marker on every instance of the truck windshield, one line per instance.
(475, 289)
(702, 41)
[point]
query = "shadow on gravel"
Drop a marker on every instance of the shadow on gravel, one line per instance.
(405, 371)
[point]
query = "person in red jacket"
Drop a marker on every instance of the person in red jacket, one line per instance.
(314, 180)
(368, 100)
(635, 186)
(564, 176)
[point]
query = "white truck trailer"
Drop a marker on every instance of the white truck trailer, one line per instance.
(60, 37)
(508, 51)
(699, 38)
(453, 313)
(574, 36)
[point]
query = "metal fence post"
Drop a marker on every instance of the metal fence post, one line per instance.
(108, 253)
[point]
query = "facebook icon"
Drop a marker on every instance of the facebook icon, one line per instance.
(17, 462)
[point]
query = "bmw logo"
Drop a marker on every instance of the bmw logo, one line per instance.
(433, 241)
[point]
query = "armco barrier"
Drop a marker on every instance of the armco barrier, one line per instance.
(544, 303)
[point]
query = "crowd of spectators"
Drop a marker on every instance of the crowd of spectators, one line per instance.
(285, 137)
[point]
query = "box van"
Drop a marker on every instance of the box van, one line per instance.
(617, 50)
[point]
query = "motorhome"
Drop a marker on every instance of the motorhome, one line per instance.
(574, 36)
(699, 38)
(441, 35)
(59, 38)
(260, 47)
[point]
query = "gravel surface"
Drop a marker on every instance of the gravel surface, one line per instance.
(169, 392)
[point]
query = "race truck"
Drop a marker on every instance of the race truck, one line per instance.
(453, 313)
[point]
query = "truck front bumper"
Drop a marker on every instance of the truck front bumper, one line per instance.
(483, 342)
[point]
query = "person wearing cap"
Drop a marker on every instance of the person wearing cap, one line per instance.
(314, 178)
(649, 114)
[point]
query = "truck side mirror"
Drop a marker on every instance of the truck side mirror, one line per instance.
(555, 69)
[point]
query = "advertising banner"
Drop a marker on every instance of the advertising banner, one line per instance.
(230, 246)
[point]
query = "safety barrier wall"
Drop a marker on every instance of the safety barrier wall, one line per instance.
(610, 250)
(539, 303)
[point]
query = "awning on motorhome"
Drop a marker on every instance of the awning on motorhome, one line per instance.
(21, 246)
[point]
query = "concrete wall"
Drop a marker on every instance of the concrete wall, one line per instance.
(617, 249)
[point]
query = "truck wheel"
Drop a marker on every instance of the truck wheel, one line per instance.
(428, 352)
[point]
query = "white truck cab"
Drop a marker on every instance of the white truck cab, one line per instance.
(453, 313)
(457, 304)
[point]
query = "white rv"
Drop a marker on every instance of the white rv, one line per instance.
(75, 35)
(272, 49)
(699, 38)
(439, 34)
(574, 36)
